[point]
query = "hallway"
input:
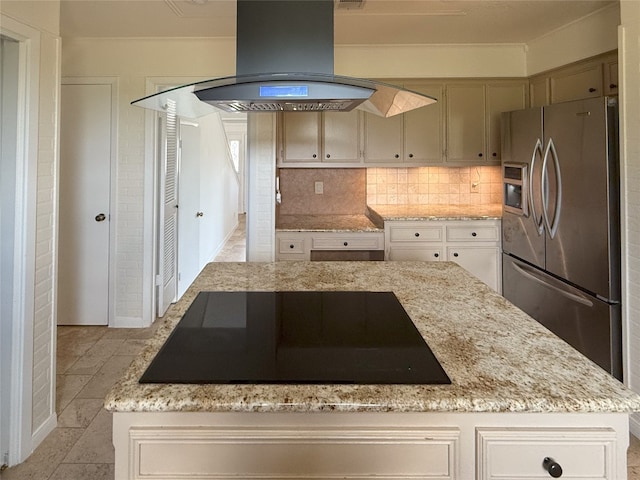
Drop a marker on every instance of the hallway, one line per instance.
(235, 248)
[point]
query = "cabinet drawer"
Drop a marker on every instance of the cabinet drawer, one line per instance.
(345, 242)
(415, 254)
(519, 453)
(473, 233)
(291, 245)
(417, 233)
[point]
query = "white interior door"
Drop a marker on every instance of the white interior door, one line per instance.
(190, 212)
(85, 184)
(168, 212)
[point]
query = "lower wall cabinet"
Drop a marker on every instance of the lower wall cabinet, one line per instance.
(389, 446)
(473, 244)
(329, 246)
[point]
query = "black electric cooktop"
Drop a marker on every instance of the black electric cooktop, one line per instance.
(295, 338)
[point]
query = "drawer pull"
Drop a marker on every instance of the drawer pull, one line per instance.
(397, 155)
(474, 234)
(591, 90)
(613, 85)
(417, 234)
(436, 255)
(292, 246)
(551, 466)
(346, 243)
(314, 155)
(455, 254)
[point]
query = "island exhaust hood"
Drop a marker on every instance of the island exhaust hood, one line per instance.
(284, 62)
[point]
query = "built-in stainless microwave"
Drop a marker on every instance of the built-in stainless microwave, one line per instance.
(515, 184)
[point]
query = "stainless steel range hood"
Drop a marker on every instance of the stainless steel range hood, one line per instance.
(284, 62)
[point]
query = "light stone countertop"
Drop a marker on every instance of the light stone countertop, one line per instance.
(498, 358)
(438, 212)
(326, 223)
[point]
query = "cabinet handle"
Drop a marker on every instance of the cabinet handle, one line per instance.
(494, 154)
(346, 243)
(291, 246)
(417, 234)
(550, 465)
(436, 255)
(328, 156)
(455, 254)
(480, 155)
(397, 155)
(613, 85)
(591, 90)
(474, 234)
(314, 155)
(411, 155)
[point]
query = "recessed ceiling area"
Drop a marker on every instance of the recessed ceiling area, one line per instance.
(377, 22)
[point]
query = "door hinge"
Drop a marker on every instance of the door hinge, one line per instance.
(158, 280)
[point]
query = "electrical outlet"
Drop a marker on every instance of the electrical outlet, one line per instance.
(475, 187)
(319, 188)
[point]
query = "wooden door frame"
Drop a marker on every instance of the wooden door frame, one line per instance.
(113, 82)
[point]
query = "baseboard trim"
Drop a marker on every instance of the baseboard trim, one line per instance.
(43, 430)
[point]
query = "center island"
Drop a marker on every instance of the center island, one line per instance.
(521, 403)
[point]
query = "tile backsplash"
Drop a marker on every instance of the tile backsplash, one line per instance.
(434, 185)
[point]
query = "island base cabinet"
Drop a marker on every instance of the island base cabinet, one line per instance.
(362, 445)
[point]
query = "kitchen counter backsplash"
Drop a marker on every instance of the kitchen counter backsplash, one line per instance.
(434, 186)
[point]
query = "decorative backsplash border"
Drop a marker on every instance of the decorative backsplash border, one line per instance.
(434, 186)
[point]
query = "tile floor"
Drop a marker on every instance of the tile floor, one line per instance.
(89, 362)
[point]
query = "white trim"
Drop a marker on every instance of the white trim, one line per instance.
(113, 82)
(46, 428)
(21, 384)
(126, 322)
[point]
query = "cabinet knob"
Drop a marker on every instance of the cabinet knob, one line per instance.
(613, 85)
(291, 246)
(314, 155)
(474, 234)
(494, 154)
(417, 234)
(436, 255)
(346, 244)
(455, 254)
(397, 155)
(328, 156)
(411, 155)
(480, 154)
(591, 90)
(550, 465)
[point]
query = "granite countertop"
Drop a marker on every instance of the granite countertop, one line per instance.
(438, 212)
(498, 358)
(327, 223)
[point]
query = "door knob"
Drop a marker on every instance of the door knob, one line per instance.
(199, 214)
(101, 217)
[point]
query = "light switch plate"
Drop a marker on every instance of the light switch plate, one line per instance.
(319, 188)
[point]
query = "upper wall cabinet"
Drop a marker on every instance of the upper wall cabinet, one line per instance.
(473, 119)
(589, 78)
(316, 138)
(413, 138)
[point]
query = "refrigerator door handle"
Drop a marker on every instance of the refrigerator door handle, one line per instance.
(531, 275)
(552, 228)
(537, 149)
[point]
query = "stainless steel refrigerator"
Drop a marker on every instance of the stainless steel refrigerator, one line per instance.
(560, 227)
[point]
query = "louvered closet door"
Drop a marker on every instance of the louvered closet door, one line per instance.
(167, 257)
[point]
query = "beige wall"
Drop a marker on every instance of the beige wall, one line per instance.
(584, 38)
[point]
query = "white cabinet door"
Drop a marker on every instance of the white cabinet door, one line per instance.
(340, 137)
(383, 138)
(466, 123)
(482, 262)
(424, 128)
(501, 98)
(301, 137)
